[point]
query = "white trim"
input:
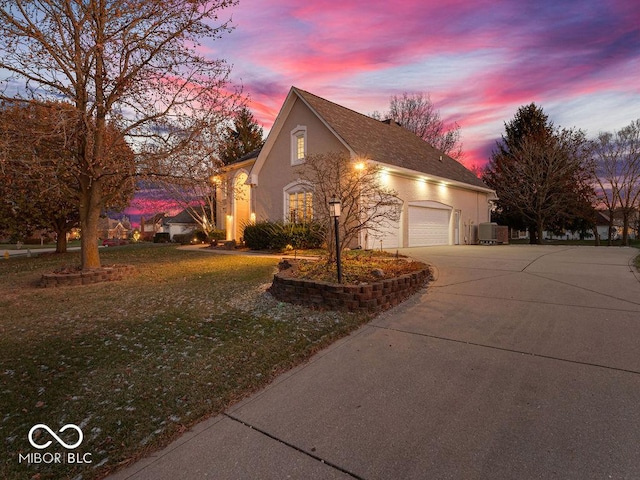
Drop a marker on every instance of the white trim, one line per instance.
(297, 134)
(297, 186)
(430, 204)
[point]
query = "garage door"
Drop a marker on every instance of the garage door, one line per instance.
(428, 226)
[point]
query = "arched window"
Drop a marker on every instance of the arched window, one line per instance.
(298, 202)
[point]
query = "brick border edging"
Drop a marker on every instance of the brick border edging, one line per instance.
(372, 297)
(89, 277)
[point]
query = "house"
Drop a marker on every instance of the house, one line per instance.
(442, 201)
(181, 223)
(111, 228)
(149, 227)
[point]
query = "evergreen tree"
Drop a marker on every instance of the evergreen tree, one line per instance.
(540, 174)
(242, 138)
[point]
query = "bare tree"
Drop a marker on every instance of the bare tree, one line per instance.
(546, 182)
(416, 113)
(366, 203)
(197, 195)
(134, 64)
(617, 157)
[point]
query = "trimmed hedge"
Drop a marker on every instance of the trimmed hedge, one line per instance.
(277, 235)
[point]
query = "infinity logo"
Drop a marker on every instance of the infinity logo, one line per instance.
(58, 439)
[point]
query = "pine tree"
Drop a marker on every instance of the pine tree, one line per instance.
(540, 174)
(242, 138)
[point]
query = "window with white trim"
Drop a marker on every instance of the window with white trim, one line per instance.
(298, 203)
(298, 145)
(300, 207)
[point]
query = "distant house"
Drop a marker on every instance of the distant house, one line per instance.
(149, 227)
(442, 201)
(602, 226)
(181, 223)
(111, 228)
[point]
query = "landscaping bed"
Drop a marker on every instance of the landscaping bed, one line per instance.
(371, 283)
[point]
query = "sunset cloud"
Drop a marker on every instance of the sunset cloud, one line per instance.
(478, 60)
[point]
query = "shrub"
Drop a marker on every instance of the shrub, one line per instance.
(199, 236)
(277, 235)
(217, 235)
(190, 237)
(161, 237)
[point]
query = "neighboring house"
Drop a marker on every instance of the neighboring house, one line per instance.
(149, 227)
(442, 201)
(618, 226)
(602, 226)
(183, 222)
(110, 228)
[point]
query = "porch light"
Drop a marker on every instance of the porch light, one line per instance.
(334, 211)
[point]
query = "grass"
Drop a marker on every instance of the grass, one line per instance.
(137, 362)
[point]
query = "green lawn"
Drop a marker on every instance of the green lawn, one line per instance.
(134, 363)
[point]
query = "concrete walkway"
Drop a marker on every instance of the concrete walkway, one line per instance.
(519, 362)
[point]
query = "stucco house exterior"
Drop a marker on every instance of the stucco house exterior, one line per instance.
(442, 201)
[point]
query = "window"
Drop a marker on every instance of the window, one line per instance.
(298, 145)
(298, 202)
(300, 207)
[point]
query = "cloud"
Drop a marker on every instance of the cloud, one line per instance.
(479, 60)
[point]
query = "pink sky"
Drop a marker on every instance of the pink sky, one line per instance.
(479, 61)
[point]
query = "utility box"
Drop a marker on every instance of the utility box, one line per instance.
(487, 233)
(491, 233)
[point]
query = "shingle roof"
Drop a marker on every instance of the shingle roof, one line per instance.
(387, 142)
(184, 217)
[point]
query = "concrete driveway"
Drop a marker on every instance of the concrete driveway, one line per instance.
(518, 362)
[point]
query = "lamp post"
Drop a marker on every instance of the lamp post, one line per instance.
(334, 211)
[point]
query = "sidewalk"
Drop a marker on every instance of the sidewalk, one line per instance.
(518, 362)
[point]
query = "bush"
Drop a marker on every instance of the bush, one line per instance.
(277, 235)
(162, 237)
(199, 236)
(217, 235)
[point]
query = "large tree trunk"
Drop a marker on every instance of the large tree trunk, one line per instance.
(610, 233)
(625, 227)
(61, 227)
(540, 233)
(89, 218)
(596, 235)
(61, 243)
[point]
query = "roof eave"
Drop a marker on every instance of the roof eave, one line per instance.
(414, 174)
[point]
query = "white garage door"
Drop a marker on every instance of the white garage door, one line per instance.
(428, 226)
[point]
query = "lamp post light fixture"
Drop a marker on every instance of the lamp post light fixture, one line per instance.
(334, 211)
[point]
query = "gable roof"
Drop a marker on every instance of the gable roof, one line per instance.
(382, 142)
(185, 217)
